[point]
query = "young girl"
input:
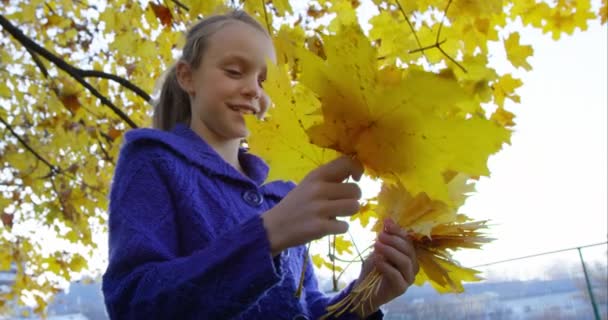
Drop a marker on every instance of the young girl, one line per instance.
(194, 232)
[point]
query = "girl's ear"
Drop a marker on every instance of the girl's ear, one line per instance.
(185, 77)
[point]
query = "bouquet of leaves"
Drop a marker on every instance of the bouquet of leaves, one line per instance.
(422, 133)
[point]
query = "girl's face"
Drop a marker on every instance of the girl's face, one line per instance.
(228, 83)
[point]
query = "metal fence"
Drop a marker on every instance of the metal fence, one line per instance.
(564, 284)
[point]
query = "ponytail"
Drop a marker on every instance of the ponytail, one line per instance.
(173, 105)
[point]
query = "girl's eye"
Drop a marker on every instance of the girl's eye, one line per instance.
(233, 73)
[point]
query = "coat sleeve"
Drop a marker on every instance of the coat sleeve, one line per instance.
(318, 302)
(146, 279)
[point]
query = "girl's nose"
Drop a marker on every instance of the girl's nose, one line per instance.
(251, 88)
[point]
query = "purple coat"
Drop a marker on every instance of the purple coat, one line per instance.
(187, 240)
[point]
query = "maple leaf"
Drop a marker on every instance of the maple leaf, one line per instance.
(366, 213)
(342, 245)
(435, 228)
(162, 13)
(206, 7)
(282, 134)
(445, 275)
(395, 130)
(517, 53)
(503, 117)
(504, 87)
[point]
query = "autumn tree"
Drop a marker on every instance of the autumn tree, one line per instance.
(77, 75)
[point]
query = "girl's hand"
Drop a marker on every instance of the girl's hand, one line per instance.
(309, 211)
(394, 257)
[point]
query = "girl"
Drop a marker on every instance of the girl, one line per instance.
(194, 232)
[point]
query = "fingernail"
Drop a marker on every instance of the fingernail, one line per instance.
(388, 223)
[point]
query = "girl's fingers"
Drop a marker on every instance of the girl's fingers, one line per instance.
(391, 275)
(337, 191)
(399, 260)
(404, 246)
(400, 239)
(340, 208)
(391, 227)
(335, 227)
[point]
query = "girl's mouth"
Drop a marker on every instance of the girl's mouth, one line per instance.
(243, 108)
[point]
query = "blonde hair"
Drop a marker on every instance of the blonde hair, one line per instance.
(173, 105)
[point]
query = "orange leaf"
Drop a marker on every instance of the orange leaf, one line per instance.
(162, 13)
(114, 133)
(71, 102)
(7, 219)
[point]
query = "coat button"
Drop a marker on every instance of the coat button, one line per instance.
(253, 198)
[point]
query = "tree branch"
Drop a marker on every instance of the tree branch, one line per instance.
(445, 13)
(437, 43)
(122, 81)
(181, 5)
(54, 169)
(409, 23)
(60, 63)
(451, 59)
(266, 17)
(434, 45)
(38, 62)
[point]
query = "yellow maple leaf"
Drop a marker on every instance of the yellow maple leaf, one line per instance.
(475, 8)
(417, 212)
(285, 41)
(342, 245)
(205, 8)
(396, 131)
(445, 275)
(436, 229)
(395, 38)
(281, 135)
(503, 117)
(319, 262)
(366, 212)
(517, 53)
(504, 87)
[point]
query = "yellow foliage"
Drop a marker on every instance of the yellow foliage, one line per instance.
(342, 245)
(436, 227)
(366, 212)
(282, 134)
(407, 99)
(516, 53)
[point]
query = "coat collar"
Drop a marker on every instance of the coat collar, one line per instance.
(182, 140)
